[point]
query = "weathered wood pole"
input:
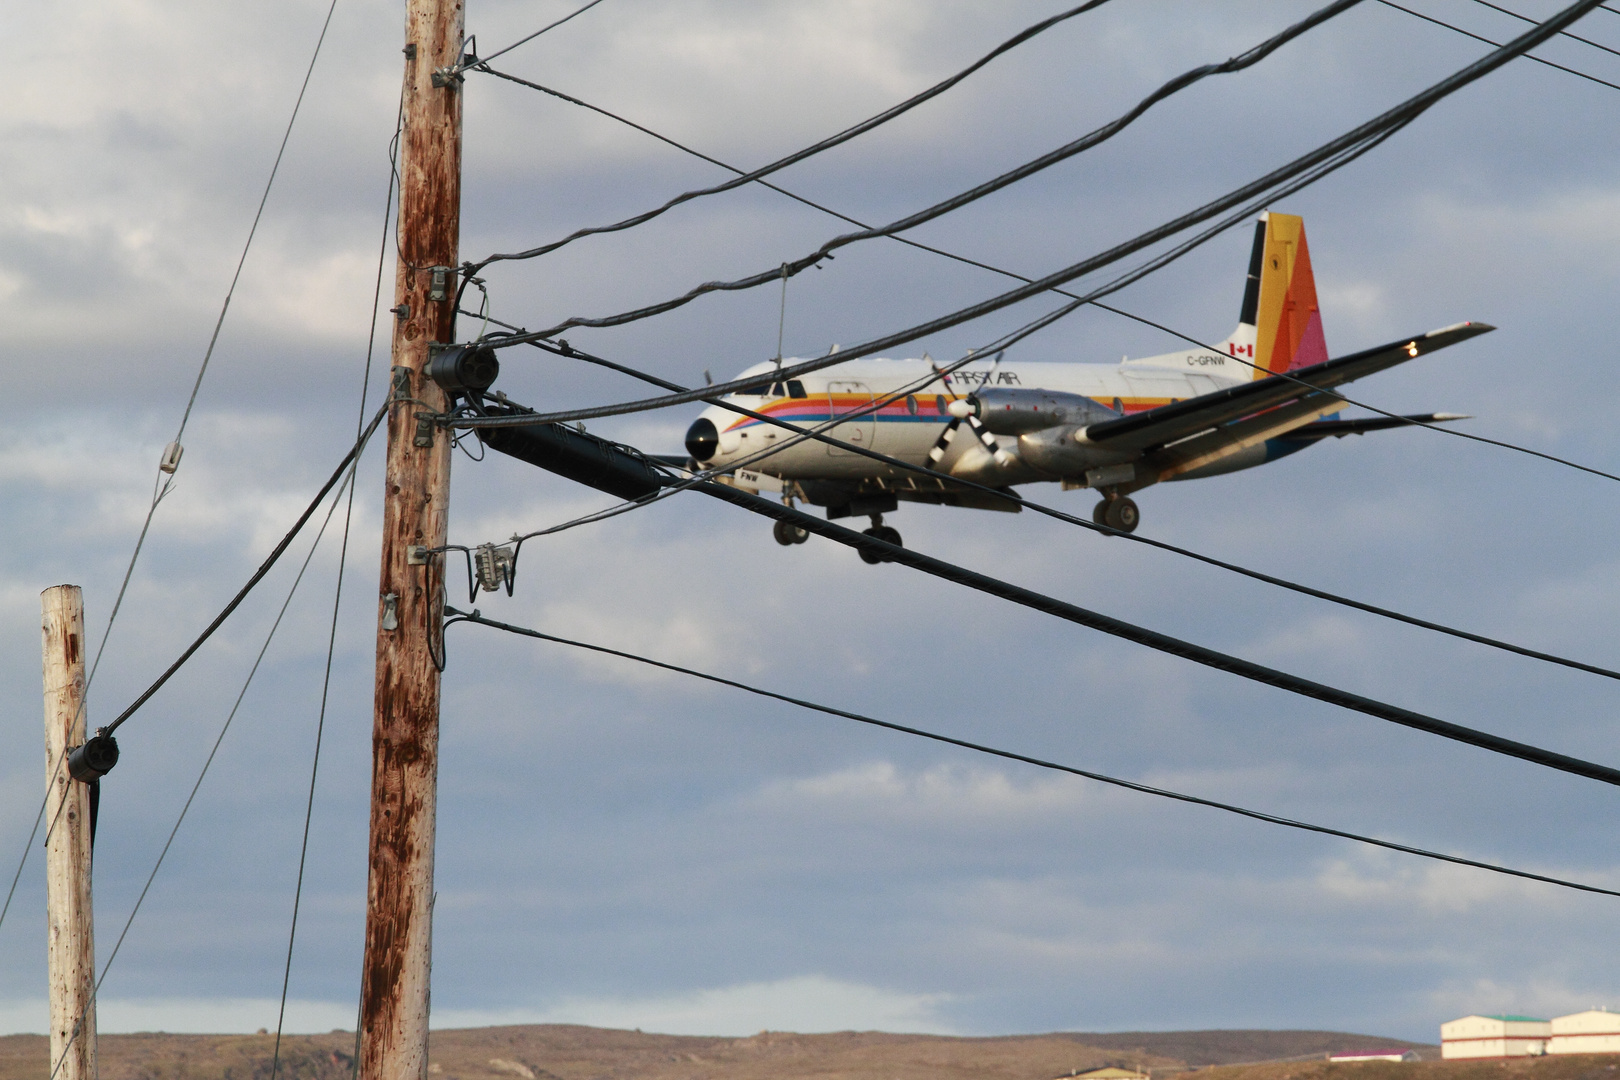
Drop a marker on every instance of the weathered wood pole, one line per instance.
(405, 733)
(71, 939)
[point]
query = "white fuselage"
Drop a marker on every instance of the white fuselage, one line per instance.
(909, 426)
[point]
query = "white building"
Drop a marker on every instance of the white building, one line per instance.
(1494, 1037)
(1596, 1031)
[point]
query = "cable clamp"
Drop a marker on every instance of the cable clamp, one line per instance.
(425, 423)
(496, 567)
(417, 555)
(446, 76)
(401, 382)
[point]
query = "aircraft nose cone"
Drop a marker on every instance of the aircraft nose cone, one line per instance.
(702, 439)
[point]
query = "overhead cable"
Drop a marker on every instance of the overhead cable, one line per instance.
(471, 61)
(836, 356)
(1199, 654)
(828, 143)
(956, 202)
(29, 846)
(638, 479)
(1070, 519)
(1130, 785)
(258, 575)
(1488, 41)
(163, 484)
(1093, 300)
(1565, 33)
(292, 591)
(337, 587)
(1378, 128)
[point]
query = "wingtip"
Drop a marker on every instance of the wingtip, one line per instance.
(1470, 327)
(1447, 417)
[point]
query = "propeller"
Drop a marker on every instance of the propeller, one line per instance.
(966, 409)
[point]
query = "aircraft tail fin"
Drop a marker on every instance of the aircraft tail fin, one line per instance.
(1280, 327)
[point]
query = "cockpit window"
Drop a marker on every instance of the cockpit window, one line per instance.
(795, 388)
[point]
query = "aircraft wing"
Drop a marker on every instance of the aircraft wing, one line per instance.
(1208, 416)
(1338, 429)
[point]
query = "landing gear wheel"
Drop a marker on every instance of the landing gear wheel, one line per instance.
(1121, 514)
(869, 557)
(885, 534)
(1099, 513)
(787, 533)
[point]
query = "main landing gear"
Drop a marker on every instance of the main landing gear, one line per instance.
(879, 531)
(787, 533)
(1117, 512)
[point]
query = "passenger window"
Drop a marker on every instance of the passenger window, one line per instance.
(776, 390)
(911, 404)
(795, 388)
(939, 403)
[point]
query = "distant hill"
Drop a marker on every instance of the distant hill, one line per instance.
(571, 1052)
(1233, 1047)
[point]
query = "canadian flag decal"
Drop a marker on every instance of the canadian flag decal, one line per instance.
(1241, 350)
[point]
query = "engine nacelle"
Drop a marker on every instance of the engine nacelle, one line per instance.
(1055, 452)
(1009, 411)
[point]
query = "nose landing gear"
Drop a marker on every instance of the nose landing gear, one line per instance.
(1117, 512)
(879, 531)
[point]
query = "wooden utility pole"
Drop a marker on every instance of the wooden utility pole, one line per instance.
(71, 930)
(405, 733)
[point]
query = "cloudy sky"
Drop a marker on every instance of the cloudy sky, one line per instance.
(630, 849)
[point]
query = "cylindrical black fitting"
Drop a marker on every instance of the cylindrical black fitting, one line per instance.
(463, 369)
(94, 759)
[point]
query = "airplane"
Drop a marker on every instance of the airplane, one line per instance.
(1113, 428)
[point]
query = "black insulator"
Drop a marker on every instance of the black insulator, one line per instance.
(94, 759)
(462, 369)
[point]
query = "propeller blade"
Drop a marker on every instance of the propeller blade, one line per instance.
(943, 443)
(989, 441)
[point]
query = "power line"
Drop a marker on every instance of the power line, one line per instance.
(28, 846)
(956, 202)
(1165, 643)
(1562, 33)
(1488, 41)
(469, 62)
(258, 575)
(1378, 128)
(1070, 519)
(1262, 192)
(828, 143)
(630, 472)
(164, 482)
(337, 598)
(1130, 785)
(209, 761)
(1019, 277)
